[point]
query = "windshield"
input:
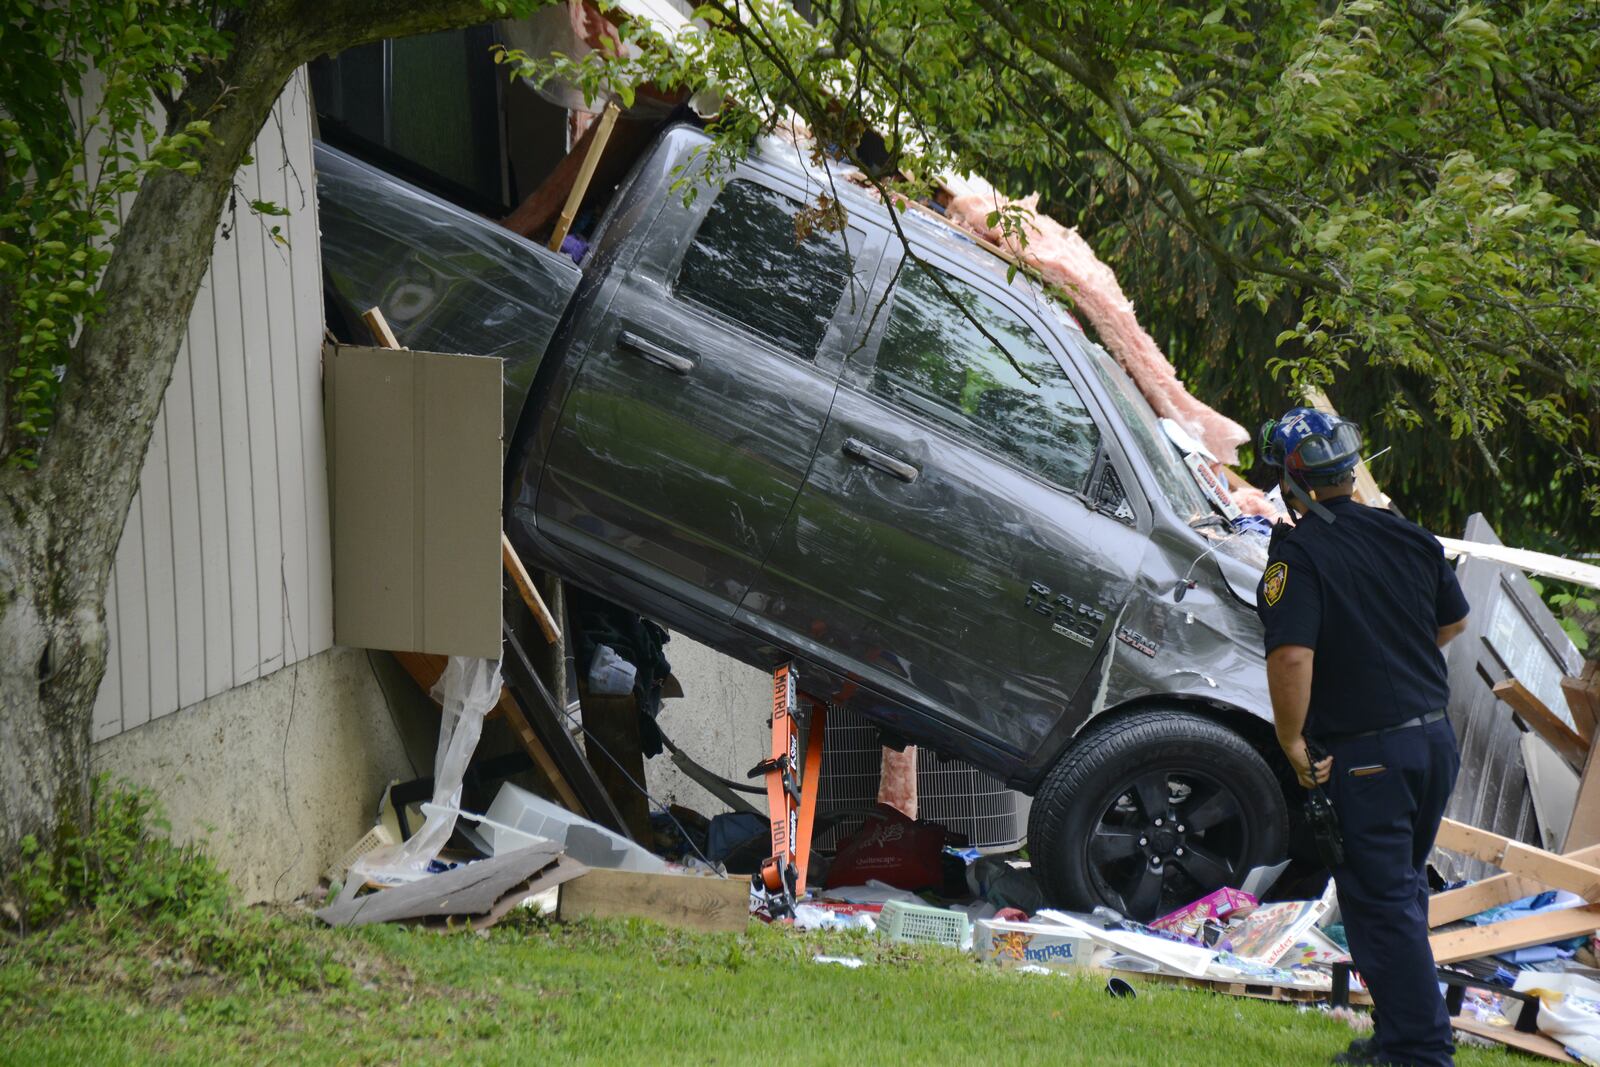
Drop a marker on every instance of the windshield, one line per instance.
(1175, 480)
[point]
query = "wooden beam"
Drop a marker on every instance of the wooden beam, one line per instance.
(1558, 872)
(1584, 703)
(1455, 904)
(1569, 745)
(1454, 946)
(580, 186)
(379, 326)
(691, 901)
(530, 593)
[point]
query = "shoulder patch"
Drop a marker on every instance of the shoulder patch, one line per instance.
(1272, 583)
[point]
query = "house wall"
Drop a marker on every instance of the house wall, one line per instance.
(223, 573)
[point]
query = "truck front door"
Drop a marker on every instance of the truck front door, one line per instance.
(694, 415)
(945, 547)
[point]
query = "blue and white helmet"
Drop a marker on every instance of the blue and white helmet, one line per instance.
(1316, 447)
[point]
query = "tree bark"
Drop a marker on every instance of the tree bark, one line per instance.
(61, 523)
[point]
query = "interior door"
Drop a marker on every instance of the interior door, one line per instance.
(943, 547)
(691, 422)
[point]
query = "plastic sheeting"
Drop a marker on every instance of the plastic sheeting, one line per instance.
(446, 279)
(466, 691)
(1065, 259)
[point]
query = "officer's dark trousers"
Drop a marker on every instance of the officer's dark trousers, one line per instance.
(1389, 817)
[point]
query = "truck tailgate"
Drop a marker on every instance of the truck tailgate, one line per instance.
(446, 279)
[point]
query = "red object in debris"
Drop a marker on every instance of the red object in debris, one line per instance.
(1011, 915)
(892, 849)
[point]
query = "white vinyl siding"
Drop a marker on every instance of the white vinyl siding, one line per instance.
(223, 573)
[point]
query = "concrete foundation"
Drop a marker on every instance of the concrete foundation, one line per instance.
(281, 776)
(720, 722)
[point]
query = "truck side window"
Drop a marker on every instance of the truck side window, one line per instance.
(746, 263)
(934, 361)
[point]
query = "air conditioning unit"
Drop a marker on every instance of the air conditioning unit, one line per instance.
(952, 793)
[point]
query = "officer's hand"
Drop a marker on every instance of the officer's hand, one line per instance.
(1300, 760)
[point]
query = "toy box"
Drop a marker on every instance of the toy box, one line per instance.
(1012, 944)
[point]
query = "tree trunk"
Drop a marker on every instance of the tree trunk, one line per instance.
(61, 523)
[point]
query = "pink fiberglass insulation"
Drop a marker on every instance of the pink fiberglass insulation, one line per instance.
(1065, 259)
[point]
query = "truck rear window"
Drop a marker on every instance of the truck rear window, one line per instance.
(747, 265)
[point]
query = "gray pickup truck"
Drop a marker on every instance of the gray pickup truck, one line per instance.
(802, 450)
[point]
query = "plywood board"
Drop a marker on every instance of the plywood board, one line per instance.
(470, 889)
(415, 459)
(1456, 945)
(690, 901)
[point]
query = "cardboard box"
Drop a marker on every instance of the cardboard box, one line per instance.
(1012, 944)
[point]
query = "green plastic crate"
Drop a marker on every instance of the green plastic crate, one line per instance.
(901, 921)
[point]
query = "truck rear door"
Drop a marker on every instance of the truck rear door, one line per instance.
(945, 548)
(706, 381)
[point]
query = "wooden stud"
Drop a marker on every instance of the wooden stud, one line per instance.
(379, 326)
(686, 900)
(585, 174)
(1558, 872)
(1567, 742)
(1532, 1044)
(530, 593)
(1456, 945)
(1456, 904)
(1584, 703)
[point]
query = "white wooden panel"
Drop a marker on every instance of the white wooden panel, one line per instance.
(107, 720)
(132, 638)
(161, 599)
(217, 596)
(262, 428)
(188, 595)
(271, 169)
(226, 551)
(228, 300)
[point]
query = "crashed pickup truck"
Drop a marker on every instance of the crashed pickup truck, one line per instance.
(800, 449)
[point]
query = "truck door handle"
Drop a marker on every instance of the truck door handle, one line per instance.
(878, 459)
(653, 352)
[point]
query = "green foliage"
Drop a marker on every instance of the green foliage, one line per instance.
(84, 90)
(123, 879)
(1394, 199)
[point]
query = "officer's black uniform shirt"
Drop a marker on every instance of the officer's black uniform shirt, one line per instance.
(1369, 593)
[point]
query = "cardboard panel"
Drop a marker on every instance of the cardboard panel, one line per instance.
(414, 463)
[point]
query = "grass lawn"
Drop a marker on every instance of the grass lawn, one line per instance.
(615, 993)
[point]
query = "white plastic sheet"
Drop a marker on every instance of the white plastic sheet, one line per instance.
(466, 691)
(1569, 1010)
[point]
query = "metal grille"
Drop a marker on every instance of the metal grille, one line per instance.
(952, 793)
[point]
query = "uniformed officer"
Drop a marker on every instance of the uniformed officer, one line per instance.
(1357, 603)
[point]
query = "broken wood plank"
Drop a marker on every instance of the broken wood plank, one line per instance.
(1453, 946)
(471, 889)
(1584, 703)
(1567, 742)
(1532, 1044)
(1558, 872)
(379, 326)
(564, 870)
(686, 900)
(591, 159)
(529, 592)
(1456, 904)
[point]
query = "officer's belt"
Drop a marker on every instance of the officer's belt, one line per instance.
(1420, 720)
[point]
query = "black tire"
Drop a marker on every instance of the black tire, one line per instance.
(1093, 832)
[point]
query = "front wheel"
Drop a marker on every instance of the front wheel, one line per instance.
(1154, 810)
